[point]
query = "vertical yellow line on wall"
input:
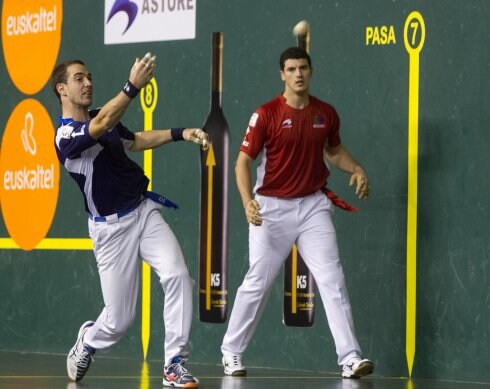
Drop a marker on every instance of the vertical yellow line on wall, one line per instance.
(294, 274)
(145, 376)
(210, 163)
(414, 36)
(148, 100)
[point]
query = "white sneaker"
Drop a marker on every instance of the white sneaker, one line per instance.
(233, 365)
(357, 368)
(80, 356)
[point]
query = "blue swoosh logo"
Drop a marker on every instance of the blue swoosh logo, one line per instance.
(130, 8)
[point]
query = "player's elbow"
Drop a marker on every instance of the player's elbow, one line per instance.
(100, 125)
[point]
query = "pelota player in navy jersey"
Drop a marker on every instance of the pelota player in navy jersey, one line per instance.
(124, 219)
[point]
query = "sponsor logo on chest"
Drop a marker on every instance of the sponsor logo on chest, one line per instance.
(318, 122)
(287, 123)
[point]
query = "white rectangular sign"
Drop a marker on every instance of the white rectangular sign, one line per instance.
(130, 21)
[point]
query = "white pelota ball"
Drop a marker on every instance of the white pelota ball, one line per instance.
(302, 28)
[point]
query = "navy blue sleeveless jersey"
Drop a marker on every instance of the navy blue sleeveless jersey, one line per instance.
(110, 181)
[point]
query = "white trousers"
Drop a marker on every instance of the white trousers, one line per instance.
(118, 246)
(307, 222)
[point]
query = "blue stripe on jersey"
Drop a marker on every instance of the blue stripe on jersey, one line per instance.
(109, 180)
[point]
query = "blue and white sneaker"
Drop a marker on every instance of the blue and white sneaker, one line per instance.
(177, 376)
(357, 368)
(80, 355)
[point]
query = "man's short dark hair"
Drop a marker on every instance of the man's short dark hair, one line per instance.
(59, 74)
(293, 53)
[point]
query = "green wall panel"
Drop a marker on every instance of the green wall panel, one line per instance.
(45, 295)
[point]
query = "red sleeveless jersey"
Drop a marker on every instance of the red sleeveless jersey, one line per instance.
(291, 142)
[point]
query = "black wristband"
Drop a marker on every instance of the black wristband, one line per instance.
(130, 90)
(177, 134)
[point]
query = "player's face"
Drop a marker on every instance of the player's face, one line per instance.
(78, 86)
(296, 75)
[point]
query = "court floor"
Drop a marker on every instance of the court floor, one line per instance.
(47, 371)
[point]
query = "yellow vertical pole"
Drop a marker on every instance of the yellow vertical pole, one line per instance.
(294, 274)
(145, 376)
(414, 37)
(148, 100)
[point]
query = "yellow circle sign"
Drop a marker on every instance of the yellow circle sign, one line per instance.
(414, 33)
(149, 96)
(31, 37)
(29, 174)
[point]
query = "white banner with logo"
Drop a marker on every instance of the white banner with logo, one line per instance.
(130, 21)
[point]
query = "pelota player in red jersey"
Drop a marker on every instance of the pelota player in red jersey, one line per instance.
(288, 205)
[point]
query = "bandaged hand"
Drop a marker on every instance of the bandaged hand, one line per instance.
(198, 136)
(142, 70)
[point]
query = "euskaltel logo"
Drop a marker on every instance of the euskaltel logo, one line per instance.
(31, 37)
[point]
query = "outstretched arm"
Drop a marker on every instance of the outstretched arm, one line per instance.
(341, 159)
(145, 140)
